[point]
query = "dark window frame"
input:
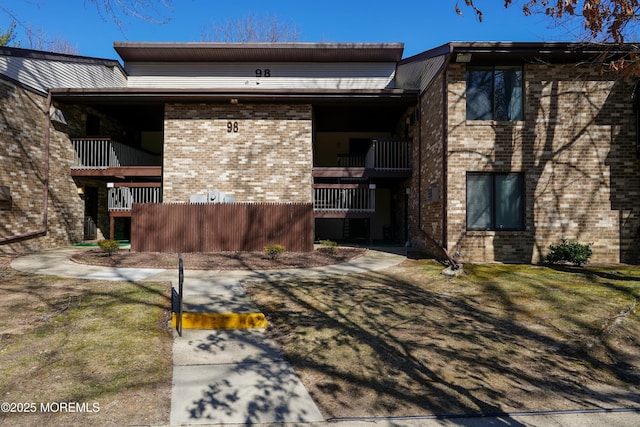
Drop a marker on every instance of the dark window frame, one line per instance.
(494, 201)
(495, 105)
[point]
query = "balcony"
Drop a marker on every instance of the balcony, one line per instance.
(121, 198)
(105, 157)
(389, 157)
(343, 201)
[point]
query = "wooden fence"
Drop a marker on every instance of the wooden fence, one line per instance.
(209, 227)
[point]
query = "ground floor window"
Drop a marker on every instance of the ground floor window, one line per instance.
(495, 201)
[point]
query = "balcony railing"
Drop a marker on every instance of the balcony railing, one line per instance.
(389, 155)
(344, 198)
(96, 153)
(122, 198)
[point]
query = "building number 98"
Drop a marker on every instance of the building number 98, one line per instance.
(263, 73)
(232, 127)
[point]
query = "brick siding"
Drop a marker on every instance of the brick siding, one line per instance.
(428, 164)
(268, 159)
(576, 148)
(23, 126)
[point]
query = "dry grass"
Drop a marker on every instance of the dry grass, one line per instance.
(410, 341)
(93, 342)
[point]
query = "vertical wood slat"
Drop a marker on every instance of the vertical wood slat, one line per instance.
(213, 227)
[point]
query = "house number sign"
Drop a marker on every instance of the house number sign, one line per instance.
(232, 127)
(266, 72)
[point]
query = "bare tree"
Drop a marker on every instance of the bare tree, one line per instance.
(37, 39)
(605, 20)
(117, 11)
(251, 29)
(154, 11)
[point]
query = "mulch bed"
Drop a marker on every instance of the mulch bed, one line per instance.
(218, 260)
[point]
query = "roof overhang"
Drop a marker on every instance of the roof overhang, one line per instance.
(253, 52)
(60, 57)
(313, 96)
(555, 52)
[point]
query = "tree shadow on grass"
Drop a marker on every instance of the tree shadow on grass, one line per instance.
(396, 347)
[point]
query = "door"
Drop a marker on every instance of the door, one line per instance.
(90, 213)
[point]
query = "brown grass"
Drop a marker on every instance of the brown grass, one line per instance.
(88, 342)
(410, 341)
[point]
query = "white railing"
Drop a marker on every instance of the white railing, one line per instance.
(340, 199)
(389, 155)
(121, 198)
(105, 153)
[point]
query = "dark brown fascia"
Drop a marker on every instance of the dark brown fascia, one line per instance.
(213, 95)
(252, 52)
(553, 51)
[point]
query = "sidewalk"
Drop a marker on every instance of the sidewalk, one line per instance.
(239, 377)
(221, 376)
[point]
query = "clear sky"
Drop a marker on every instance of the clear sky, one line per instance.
(419, 24)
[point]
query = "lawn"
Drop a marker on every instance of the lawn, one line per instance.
(410, 341)
(80, 352)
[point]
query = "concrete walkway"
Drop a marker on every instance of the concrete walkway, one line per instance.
(239, 377)
(221, 376)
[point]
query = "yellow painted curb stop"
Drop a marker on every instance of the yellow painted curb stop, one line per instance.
(221, 320)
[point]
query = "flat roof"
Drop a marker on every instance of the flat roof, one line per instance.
(252, 52)
(54, 56)
(556, 51)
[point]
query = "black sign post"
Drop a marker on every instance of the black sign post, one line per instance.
(176, 297)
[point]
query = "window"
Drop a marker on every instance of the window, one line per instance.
(495, 201)
(494, 93)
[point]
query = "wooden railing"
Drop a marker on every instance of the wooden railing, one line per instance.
(122, 198)
(384, 154)
(344, 198)
(93, 153)
(389, 155)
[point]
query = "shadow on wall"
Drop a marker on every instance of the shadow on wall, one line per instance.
(578, 168)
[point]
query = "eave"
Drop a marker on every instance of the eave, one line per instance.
(252, 52)
(151, 95)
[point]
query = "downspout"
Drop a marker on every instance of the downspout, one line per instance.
(45, 197)
(453, 263)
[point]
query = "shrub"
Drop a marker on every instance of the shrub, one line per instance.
(273, 251)
(328, 246)
(572, 252)
(109, 246)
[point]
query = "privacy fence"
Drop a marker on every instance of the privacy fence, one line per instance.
(169, 227)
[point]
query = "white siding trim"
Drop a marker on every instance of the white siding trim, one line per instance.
(243, 75)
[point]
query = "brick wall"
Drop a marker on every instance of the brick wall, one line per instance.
(266, 158)
(22, 165)
(576, 147)
(428, 165)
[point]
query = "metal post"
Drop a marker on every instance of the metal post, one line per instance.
(176, 297)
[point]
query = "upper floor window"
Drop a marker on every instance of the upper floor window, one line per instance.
(494, 93)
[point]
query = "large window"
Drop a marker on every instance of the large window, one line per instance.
(495, 201)
(494, 93)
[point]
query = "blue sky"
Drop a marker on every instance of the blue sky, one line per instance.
(419, 24)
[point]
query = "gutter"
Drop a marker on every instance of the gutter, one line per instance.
(45, 196)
